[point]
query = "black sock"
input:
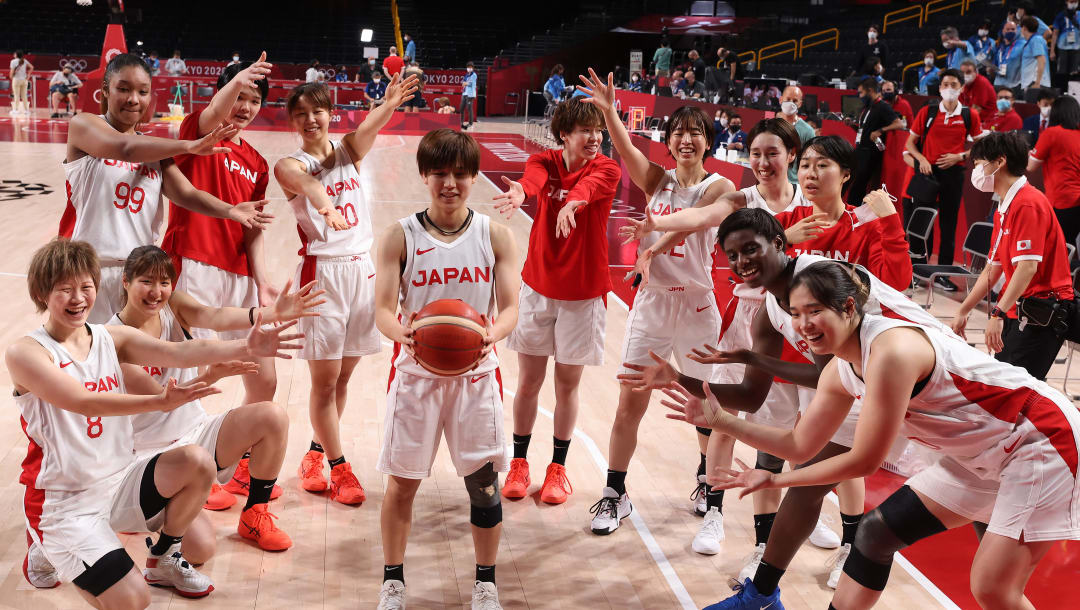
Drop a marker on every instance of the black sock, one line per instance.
(701, 466)
(714, 499)
(767, 578)
(247, 455)
(259, 492)
(316, 447)
(762, 527)
(485, 573)
(558, 455)
(164, 542)
(394, 572)
(850, 523)
(337, 461)
(617, 481)
(521, 445)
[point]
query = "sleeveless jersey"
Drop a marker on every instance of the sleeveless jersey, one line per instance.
(687, 266)
(114, 205)
(156, 429)
(342, 183)
(973, 407)
(69, 451)
(462, 269)
(754, 200)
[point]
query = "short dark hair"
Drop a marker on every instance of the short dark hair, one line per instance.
(875, 26)
(690, 117)
(832, 284)
(835, 148)
(930, 52)
(757, 220)
(1029, 22)
(230, 72)
(870, 84)
(316, 93)
(1065, 112)
(733, 116)
(469, 64)
(447, 149)
(1046, 93)
(60, 259)
(779, 128)
(1010, 145)
(571, 113)
(556, 69)
(953, 72)
(150, 261)
(1000, 88)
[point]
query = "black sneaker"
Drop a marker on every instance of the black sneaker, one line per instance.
(945, 284)
(54, 115)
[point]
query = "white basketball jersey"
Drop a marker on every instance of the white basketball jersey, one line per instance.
(973, 407)
(754, 200)
(342, 183)
(114, 205)
(156, 429)
(69, 451)
(688, 265)
(462, 269)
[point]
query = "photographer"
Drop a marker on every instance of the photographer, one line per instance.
(64, 85)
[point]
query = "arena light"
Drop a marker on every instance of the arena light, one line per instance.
(366, 34)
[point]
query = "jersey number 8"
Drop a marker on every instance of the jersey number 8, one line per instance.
(93, 427)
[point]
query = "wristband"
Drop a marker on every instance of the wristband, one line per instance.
(997, 313)
(251, 316)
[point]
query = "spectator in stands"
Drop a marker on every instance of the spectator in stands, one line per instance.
(677, 83)
(175, 66)
(1030, 252)
(364, 74)
(873, 69)
(790, 102)
(311, 75)
(720, 123)
(235, 59)
(392, 64)
(410, 47)
(937, 150)
(1058, 154)
(692, 87)
(697, 65)
(959, 50)
(875, 48)
(731, 137)
(554, 87)
(375, 91)
(154, 62)
(928, 73)
(1026, 8)
(1034, 66)
(1036, 123)
(64, 85)
(342, 74)
(899, 105)
(977, 93)
(21, 68)
(876, 119)
(662, 59)
(982, 45)
(1008, 57)
(635, 83)
(1005, 119)
(1065, 44)
(417, 102)
(468, 95)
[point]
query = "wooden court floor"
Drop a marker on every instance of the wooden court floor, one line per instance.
(547, 559)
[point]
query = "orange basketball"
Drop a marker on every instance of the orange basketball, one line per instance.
(449, 337)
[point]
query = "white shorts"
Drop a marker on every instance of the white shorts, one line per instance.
(110, 290)
(204, 434)
(79, 528)
(215, 287)
(845, 435)
(671, 323)
(345, 326)
(571, 331)
(466, 409)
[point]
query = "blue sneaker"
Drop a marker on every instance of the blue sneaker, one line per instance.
(748, 598)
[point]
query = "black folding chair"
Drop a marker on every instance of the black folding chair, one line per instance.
(920, 228)
(976, 246)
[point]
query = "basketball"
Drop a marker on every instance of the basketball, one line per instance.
(449, 336)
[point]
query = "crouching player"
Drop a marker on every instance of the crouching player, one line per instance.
(421, 406)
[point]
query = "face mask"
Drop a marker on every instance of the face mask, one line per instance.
(1071, 6)
(371, 62)
(888, 96)
(789, 107)
(1009, 36)
(236, 58)
(981, 180)
(469, 70)
(376, 80)
(969, 78)
(872, 36)
(1004, 105)
(928, 61)
(949, 95)
(736, 128)
(984, 33)
(1044, 111)
(723, 122)
(634, 79)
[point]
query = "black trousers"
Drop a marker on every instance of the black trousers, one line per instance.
(867, 173)
(1032, 349)
(948, 207)
(1069, 219)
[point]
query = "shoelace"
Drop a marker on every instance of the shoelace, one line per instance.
(562, 481)
(711, 526)
(348, 479)
(310, 464)
(700, 490)
(268, 517)
(516, 475)
(606, 505)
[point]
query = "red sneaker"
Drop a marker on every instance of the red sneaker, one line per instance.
(556, 486)
(344, 486)
(311, 472)
(257, 523)
(517, 481)
(240, 483)
(219, 499)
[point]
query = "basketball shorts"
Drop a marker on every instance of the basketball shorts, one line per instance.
(78, 528)
(571, 331)
(215, 287)
(671, 323)
(467, 410)
(345, 326)
(110, 299)
(204, 434)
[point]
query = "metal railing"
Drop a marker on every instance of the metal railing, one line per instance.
(940, 6)
(778, 49)
(902, 15)
(819, 38)
(752, 54)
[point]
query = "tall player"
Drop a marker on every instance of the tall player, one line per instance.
(674, 310)
(421, 406)
(83, 481)
(562, 306)
(116, 177)
(322, 182)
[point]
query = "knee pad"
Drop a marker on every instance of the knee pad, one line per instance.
(704, 431)
(901, 520)
(769, 462)
(486, 503)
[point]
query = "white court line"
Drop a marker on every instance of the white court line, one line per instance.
(6, 274)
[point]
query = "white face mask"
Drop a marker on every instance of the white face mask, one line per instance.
(723, 122)
(469, 70)
(981, 180)
(236, 58)
(1044, 111)
(789, 107)
(872, 36)
(969, 78)
(949, 94)
(929, 61)
(1071, 5)
(984, 33)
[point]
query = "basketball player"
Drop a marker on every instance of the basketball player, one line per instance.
(673, 312)
(116, 177)
(1007, 442)
(83, 481)
(322, 182)
(562, 305)
(478, 264)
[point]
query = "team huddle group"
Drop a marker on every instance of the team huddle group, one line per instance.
(823, 364)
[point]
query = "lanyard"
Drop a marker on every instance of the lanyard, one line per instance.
(1006, 58)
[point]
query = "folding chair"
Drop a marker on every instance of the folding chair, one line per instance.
(920, 227)
(976, 244)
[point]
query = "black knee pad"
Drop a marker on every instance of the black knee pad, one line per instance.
(106, 572)
(483, 488)
(901, 520)
(769, 462)
(150, 500)
(704, 431)
(485, 517)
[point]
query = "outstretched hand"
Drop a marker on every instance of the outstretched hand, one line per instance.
(749, 479)
(511, 200)
(660, 375)
(269, 341)
(252, 214)
(710, 355)
(700, 412)
(257, 71)
(597, 92)
(207, 145)
(635, 230)
(174, 395)
(400, 91)
(300, 304)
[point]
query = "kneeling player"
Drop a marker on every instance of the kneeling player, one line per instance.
(421, 406)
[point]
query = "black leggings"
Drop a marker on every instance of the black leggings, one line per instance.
(867, 173)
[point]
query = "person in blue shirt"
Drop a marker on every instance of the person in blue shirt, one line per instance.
(342, 75)
(981, 44)
(375, 91)
(929, 75)
(468, 95)
(1035, 63)
(1025, 8)
(732, 138)
(1065, 44)
(959, 50)
(410, 46)
(1008, 54)
(554, 87)
(635, 83)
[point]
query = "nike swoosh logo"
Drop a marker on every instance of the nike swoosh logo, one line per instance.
(419, 251)
(781, 327)
(371, 276)
(478, 378)
(1010, 448)
(316, 173)
(63, 364)
(768, 606)
(701, 309)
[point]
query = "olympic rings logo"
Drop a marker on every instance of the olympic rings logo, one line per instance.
(76, 65)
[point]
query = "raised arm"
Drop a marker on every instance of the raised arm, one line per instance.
(176, 186)
(286, 307)
(222, 102)
(89, 134)
(359, 142)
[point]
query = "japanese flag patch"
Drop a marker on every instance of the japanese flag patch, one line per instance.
(1023, 244)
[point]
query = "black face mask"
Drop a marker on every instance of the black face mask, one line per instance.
(736, 128)
(889, 96)
(866, 100)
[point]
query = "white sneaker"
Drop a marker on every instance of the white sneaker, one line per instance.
(823, 535)
(711, 534)
(837, 564)
(392, 595)
(609, 511)
(750, 568)
(485, 596)
(172, 570)
(701, 506)
(37, 569)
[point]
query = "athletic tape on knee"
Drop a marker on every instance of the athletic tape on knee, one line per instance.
(769, 462)
(704, 431)
(905, 515)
